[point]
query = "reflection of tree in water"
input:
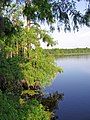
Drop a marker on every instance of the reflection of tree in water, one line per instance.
(51, 101)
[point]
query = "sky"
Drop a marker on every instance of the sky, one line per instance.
(79, 39)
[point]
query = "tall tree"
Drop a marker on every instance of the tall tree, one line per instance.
(60, 11)
(54, 11)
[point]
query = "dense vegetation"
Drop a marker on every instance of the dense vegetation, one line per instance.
(24, 69)
(22, 59)
(16, 109)
(24, 66)
(67, 52)
(62, 12)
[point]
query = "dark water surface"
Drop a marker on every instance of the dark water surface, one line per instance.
(74, 82)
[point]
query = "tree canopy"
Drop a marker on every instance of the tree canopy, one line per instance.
(54, 11)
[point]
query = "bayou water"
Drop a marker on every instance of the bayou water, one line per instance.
(74, 82)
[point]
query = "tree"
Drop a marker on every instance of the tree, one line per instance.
(53, 11)
(21, 57)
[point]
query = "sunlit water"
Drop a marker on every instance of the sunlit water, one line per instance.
(74, 82)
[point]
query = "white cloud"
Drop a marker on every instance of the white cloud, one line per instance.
(73, 40)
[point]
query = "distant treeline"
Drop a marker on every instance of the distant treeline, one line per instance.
(66, 52)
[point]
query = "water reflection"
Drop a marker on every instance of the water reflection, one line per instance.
(50, 102)
(75, 83)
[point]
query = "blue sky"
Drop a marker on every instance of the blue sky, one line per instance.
(79, 39)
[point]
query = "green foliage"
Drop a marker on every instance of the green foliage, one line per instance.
(25, 59)
(87, 17)
(12, 108)
(39, 10)
(65, 52)
(41, 68)
(10, 68)
(21, 57)
(5, 68)
(53, 11)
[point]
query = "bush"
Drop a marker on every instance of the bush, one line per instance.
(12, 108)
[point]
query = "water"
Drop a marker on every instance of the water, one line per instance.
(74, 82)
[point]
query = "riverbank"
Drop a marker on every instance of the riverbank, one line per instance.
(68, 52)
